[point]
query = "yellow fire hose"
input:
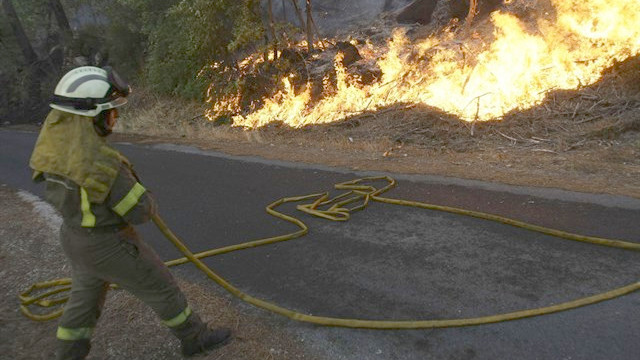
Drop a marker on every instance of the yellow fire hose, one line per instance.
(335, 210)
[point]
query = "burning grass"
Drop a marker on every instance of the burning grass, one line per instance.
(586, 139)
(509, 62)
(566, 120)
(571, 117)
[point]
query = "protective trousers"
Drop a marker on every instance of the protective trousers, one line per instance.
(101, 256)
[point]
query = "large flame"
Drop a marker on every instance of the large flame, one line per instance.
(519, 66)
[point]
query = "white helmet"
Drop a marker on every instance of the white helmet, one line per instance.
(90, 90)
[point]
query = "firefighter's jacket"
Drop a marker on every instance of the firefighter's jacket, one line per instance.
(87, 180)
(128, 202)
(68, 146)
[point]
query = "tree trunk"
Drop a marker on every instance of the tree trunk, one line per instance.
(461, 9)
(315, 28)
(265, 55)
(29, 54)
(272, 30)
(35, 71)
(62, 20)
(284, 11)
(299, 14)
(309, 27)
(387, 5)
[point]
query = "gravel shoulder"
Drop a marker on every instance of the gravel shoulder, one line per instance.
(29, 253)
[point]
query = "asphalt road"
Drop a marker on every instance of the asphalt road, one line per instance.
(396, 263)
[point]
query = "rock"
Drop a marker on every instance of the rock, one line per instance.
(460, 9)
(419, 11)
(351, 53)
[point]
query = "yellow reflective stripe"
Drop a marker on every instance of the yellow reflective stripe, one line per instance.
(74, 334)
(130, 200)
(182, 317)
(88, 219)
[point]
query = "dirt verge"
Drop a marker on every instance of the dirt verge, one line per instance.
(29, 253)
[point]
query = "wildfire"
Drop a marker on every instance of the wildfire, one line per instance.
(476, 81)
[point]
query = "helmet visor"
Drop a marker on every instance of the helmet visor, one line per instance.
(117, 102)
(120, 86)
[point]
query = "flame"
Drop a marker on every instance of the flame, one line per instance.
(515, 69)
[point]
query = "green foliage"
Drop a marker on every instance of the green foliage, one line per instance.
(21, 86)
(248, 28)
(194, 35)
(125, 40)
(148, 13)
(176, 47)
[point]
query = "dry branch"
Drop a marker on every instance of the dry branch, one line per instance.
(513, 140)
(272, 30)
(473, 8)
(544, 150)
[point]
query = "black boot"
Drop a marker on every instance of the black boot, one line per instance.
(73, 349)
(196, 337)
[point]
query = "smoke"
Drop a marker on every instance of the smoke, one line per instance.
(334, 16)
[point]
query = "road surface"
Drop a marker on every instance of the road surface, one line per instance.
(396, 263)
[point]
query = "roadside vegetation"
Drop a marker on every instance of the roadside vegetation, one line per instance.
(161, 45)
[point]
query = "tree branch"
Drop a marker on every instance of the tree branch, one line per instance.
(473, 8)
(29, 54)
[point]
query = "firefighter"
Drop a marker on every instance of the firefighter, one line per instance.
(100, 197)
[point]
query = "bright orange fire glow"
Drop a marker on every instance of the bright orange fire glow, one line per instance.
(476, 81)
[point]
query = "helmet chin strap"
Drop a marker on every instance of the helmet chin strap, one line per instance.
(100, 124)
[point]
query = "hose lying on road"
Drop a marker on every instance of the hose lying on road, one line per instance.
(335, 209)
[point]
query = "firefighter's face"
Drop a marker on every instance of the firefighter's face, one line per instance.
(112, 118)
